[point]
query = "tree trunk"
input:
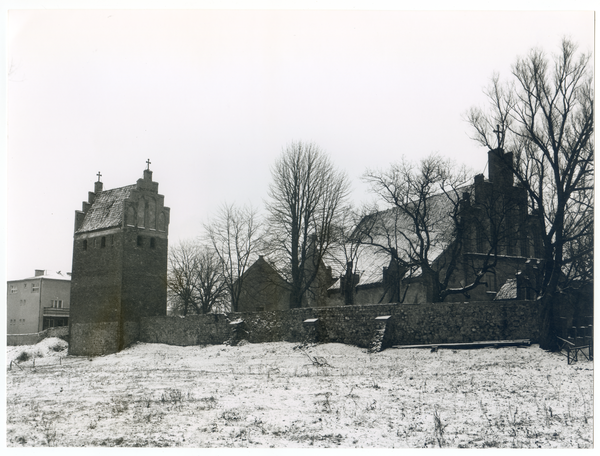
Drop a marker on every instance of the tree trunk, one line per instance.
(548, 329)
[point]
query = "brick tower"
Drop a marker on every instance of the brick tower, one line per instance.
(119, 266)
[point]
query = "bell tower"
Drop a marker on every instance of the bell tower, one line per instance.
(119, 271)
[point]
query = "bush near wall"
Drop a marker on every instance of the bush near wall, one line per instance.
(409, 324)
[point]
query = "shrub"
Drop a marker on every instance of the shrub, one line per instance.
(57, 347)
(23, 356)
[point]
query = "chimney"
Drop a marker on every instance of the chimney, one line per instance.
(465, 202)
(40, 272)
(500, 167)
(97, 184)
(348, 285)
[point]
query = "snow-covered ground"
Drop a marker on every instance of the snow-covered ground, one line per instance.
(284, 395)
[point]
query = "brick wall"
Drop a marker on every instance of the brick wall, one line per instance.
(409, 324)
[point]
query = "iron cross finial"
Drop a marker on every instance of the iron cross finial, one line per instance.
(99, 176)
(498, 134)
(148, 161)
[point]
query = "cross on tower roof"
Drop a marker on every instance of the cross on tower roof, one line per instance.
(148, 161)
(99, 176)
(498, 132)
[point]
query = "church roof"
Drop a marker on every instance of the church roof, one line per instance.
(107, 209)
(381, 231)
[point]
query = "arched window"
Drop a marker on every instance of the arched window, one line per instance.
(140, 241)
(130, 216)
(161, 222)
(480, 240)
(103, 242)
(525, 241)
(84, 244)
(152, 243)
(152, 214)
(141, 213)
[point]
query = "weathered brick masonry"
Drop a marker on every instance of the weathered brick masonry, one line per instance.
(409, 324)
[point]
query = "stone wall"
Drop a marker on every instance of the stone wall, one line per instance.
(409, 324)
(208, 329)
(93, 339)
(34, 338)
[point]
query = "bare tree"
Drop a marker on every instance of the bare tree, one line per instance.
(545, 116)
(306, 195)
(234, 233)
(195, 283)
(345, 252)
(430, 223)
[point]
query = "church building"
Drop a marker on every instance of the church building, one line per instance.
(120, 254)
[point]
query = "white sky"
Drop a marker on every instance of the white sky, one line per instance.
(212, 97)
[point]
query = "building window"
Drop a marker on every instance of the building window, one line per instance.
(85, 244)
(490, 279)
(103, 242)
(525, 247)
(23, 302)
(537, 247)
(57, 303)
(511, 247)
(35, 288)
(480, 240)
(13, 289)
(152, 243)
(140, 241)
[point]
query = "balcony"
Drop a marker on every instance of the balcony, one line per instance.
(54, 312)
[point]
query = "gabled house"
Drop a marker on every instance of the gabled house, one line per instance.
(496, 229)
(264, 288)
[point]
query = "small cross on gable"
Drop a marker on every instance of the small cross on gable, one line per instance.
(148, 162)
(99, 176)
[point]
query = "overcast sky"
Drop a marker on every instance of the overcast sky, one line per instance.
(211, 98)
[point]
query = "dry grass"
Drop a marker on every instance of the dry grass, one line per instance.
(273, 395)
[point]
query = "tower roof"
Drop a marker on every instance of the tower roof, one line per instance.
(107, 209)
